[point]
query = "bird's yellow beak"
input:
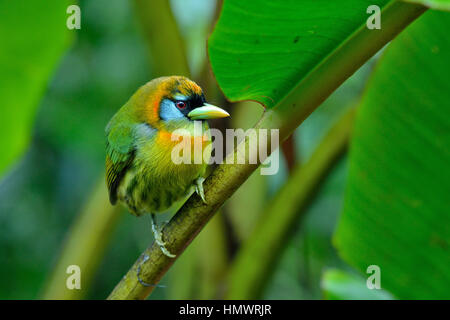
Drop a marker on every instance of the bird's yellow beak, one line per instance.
(207, 111)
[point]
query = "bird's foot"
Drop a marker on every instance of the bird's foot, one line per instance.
(199, 188)
(157, 234)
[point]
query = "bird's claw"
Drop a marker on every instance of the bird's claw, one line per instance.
(157, 234)
(199, 188)
(166, 252)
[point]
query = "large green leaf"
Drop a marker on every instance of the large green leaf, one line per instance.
(396, 212)
(261, 50)
(34, 35)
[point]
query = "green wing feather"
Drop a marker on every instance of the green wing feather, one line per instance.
(120, 152)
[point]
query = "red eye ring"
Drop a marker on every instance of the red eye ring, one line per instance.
(181, 104)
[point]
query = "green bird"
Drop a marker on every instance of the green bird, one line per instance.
(140, 138)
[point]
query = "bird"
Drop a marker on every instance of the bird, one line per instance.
(140, 138)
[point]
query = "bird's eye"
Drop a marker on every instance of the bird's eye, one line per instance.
(181, 104)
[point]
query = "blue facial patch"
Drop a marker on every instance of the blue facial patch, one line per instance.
(168, 111)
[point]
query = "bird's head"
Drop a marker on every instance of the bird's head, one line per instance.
(174, 99)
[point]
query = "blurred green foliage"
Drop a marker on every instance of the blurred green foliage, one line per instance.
(33, 39)
(41, 196)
